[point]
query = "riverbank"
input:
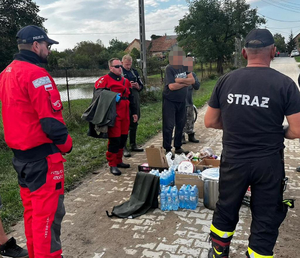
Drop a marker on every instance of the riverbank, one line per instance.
(88, 153)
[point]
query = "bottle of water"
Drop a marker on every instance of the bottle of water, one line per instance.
(193, 199)
(172, 170)
(169, 199)
(157, 173)
(175, 200)
(167, 177)
(187, 197)
(163, 200)
(181, 197)
(162, 178)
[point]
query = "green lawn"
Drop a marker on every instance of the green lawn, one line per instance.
(88, 153)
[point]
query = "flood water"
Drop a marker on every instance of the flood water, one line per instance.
(84, 87)
(80, 92)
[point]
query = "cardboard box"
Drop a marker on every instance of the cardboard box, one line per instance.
(189, 179)
(156, 157)
(208, 163)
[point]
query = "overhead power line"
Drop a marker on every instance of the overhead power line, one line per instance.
(289, 3)
(275, 19)
(282, 6)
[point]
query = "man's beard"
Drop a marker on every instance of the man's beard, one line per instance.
(44, 60)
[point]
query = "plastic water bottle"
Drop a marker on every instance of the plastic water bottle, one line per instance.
(181, 197)
(169, 199)
(162, 178)
(172, 170)
(193, 198)
(157, 173)
(163, 200)
(187, 197)
(175, 200)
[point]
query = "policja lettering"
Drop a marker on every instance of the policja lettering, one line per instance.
(241, 99)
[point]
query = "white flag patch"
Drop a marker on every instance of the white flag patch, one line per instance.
(48, 87)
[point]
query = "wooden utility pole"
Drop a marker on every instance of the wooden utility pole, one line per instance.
(143, 39)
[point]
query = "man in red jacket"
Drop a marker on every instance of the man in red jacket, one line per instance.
(35, 131)
(117, 134)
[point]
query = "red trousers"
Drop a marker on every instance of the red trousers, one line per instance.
(118, 134)
(42, 192)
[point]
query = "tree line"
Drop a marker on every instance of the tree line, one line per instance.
(211, 31)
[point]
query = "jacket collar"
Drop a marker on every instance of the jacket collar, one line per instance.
(28, 56)
(115, 77)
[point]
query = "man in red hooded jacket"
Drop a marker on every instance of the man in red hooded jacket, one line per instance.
(35, 131)
(117, 134)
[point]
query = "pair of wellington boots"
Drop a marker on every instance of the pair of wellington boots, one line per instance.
(191, 138)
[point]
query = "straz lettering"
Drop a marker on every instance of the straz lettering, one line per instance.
(246, 100)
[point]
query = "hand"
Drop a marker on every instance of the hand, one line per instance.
(135, 118)
(135, 85)
(118, 97)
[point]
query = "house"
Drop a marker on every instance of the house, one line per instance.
(156, 47)
(162, 45)
(297, 41)
(136, 43)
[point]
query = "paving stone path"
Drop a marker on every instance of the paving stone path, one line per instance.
(87, 231)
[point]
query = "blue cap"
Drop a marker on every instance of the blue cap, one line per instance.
(32, 33)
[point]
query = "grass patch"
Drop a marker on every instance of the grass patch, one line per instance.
(88, 153)
(297, 58)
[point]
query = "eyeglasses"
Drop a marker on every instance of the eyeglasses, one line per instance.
(116, 66)
(47, 46)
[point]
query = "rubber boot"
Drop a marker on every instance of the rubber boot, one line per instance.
(126, 152)
(219, 249)
(192, 138)
(183, 141)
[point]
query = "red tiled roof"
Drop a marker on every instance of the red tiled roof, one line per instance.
(163, 43)
(137, 40)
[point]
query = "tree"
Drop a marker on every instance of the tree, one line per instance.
(211, 26)
(291, 43)
(116, 45)
(87, 54)
(15, 14)
(153, 36)
(279, 42)
(135, 54)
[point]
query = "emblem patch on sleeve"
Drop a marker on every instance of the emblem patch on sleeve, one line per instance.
(41, 81)
(48, 87)
(55, 100)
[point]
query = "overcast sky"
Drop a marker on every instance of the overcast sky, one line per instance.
(73, 21)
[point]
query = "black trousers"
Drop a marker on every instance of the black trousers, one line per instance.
(174, 114)
(133, 126)
(265, 176)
